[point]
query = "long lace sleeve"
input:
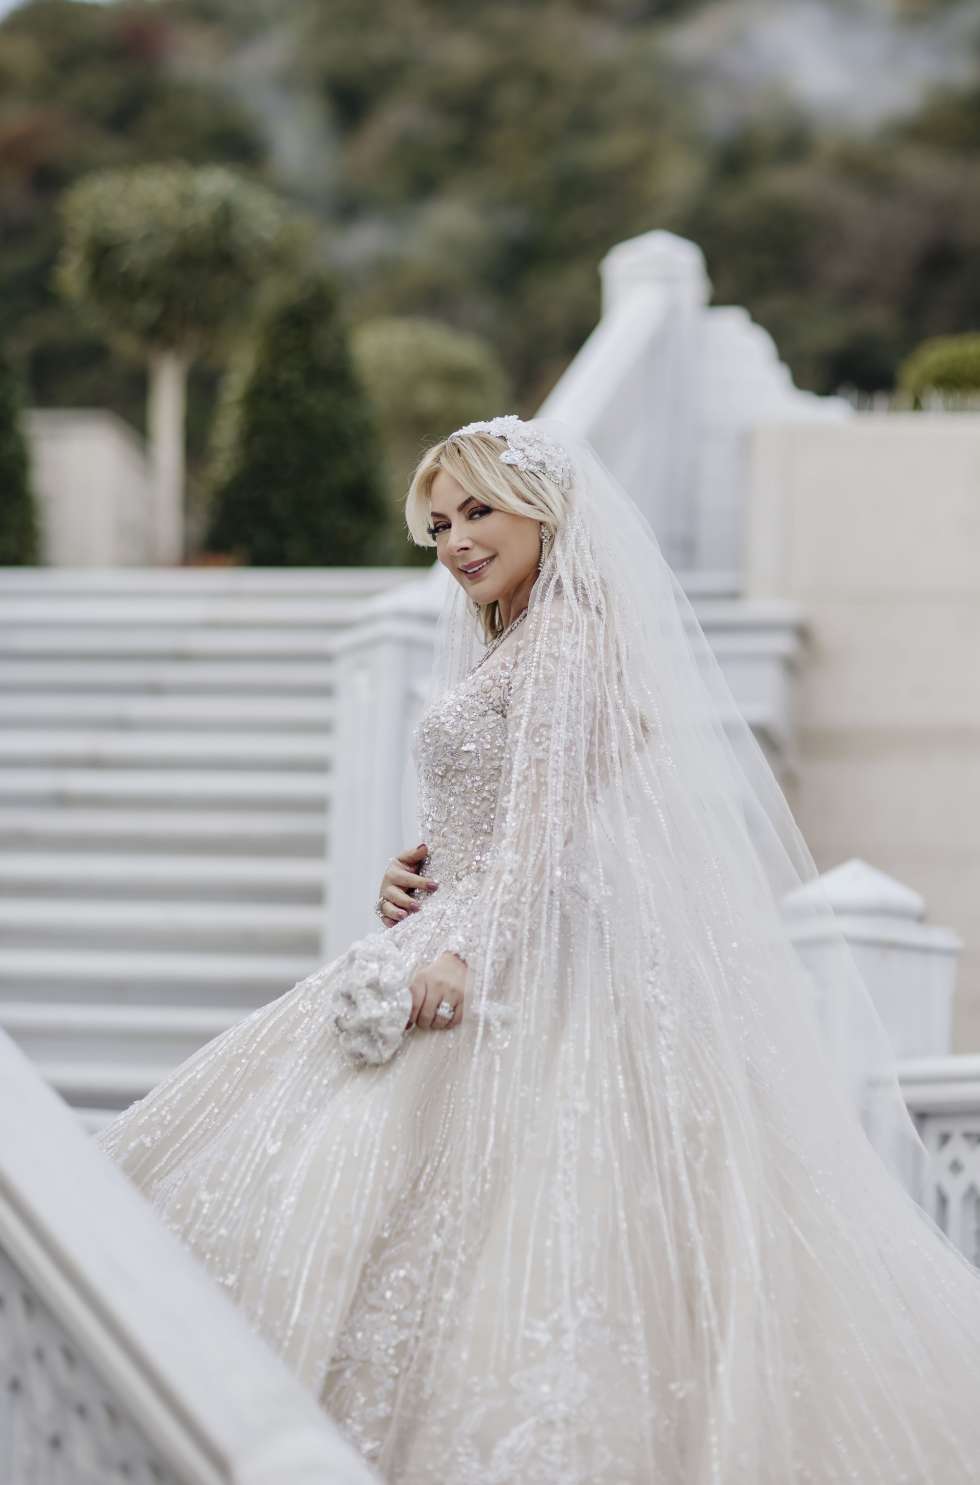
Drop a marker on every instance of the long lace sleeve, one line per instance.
(551, 772)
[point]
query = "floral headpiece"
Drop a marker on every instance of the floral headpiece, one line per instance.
(527, 448)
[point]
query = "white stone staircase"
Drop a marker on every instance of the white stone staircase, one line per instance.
(165, 747)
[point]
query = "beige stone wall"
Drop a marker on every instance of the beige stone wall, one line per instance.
(94, 490)
(873, 525)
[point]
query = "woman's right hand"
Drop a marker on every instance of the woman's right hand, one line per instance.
(400, 878)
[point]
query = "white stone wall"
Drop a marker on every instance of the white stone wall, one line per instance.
(873, 526)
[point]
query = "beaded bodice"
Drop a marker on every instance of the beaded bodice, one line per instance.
(459, 751)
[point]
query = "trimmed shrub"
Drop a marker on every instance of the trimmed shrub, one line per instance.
(296, 473)
(945, 363)
(19, 532)
(424, 379)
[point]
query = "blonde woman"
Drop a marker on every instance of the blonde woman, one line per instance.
(550, 1179)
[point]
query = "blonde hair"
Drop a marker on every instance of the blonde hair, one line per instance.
(473, 460)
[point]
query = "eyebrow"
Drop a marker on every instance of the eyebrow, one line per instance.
(434, 513)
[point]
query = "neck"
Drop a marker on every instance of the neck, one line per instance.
(513, 603)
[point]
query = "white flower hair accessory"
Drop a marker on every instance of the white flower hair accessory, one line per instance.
(527, 448)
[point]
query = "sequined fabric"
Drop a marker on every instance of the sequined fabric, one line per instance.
(616, 1227)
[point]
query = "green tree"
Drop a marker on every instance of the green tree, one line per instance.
(424, 379)
(19, 536)
(298, 476)
(166, 260)
(85, 88)
(849, 251)
(488, 156)
(472, 162)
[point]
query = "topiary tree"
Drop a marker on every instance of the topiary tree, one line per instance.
(297, 473)
(19, 535)
(165, 261)
(425, 379)
(942, 364)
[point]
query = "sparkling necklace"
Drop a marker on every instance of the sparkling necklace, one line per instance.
(500, 638)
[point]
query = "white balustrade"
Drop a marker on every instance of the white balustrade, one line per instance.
(668, 389)
(120, 1356)
(909, 965)
(633, 390)
(943, 1095)
(382, 666)
(910, 968)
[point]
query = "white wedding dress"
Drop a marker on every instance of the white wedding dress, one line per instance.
(488, 1289)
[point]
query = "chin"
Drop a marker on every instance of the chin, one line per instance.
(482, 593)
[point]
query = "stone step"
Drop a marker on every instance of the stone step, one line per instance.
(79, 748)
(275, 832)
(91, 1040)
(97, 1117)
(242, 788)
(112, 675)
(128, 977)
(310, 641)
(161, 875)
(99, 1089)
(57, 582)
(180, 613)
(268, 927)
(253, 712)
(165, 781)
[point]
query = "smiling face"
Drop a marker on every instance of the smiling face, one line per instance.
(493, 554)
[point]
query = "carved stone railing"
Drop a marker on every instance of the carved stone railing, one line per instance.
(382, 666)
(943, 1095)
(120, 1358)
(668, 389)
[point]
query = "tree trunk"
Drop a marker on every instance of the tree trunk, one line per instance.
(167, 400)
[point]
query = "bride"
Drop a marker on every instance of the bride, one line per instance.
(559, 1177)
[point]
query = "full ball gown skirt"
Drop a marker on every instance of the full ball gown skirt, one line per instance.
(486, 1288)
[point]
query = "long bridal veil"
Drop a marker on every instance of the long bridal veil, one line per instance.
(630, 744)
(668, 1134)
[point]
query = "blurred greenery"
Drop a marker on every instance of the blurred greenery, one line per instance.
(945, 363)
(424, 379)
(471, 163)
(19, 531)
(298, 479)
(86, 87)
(167, 262)
(169, 257)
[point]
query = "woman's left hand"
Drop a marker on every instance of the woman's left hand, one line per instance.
(444, 979)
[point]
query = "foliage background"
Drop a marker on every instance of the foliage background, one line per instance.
(19, 529)
(470, 163)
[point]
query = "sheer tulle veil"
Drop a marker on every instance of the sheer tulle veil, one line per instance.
(640, 788)
(634, 1217)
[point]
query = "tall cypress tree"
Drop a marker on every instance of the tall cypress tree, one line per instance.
(301, 481)
(19, 535)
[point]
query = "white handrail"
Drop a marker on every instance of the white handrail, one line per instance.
(182, 1365)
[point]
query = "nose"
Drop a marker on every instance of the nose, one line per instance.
(458, 542)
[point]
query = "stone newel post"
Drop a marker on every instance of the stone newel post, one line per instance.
(908, 965)
(382, 666)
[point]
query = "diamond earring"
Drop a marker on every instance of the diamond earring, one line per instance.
(545, 538)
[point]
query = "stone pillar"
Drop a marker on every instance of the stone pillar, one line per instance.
(908, 965)
(382, 667)
(909, 968)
